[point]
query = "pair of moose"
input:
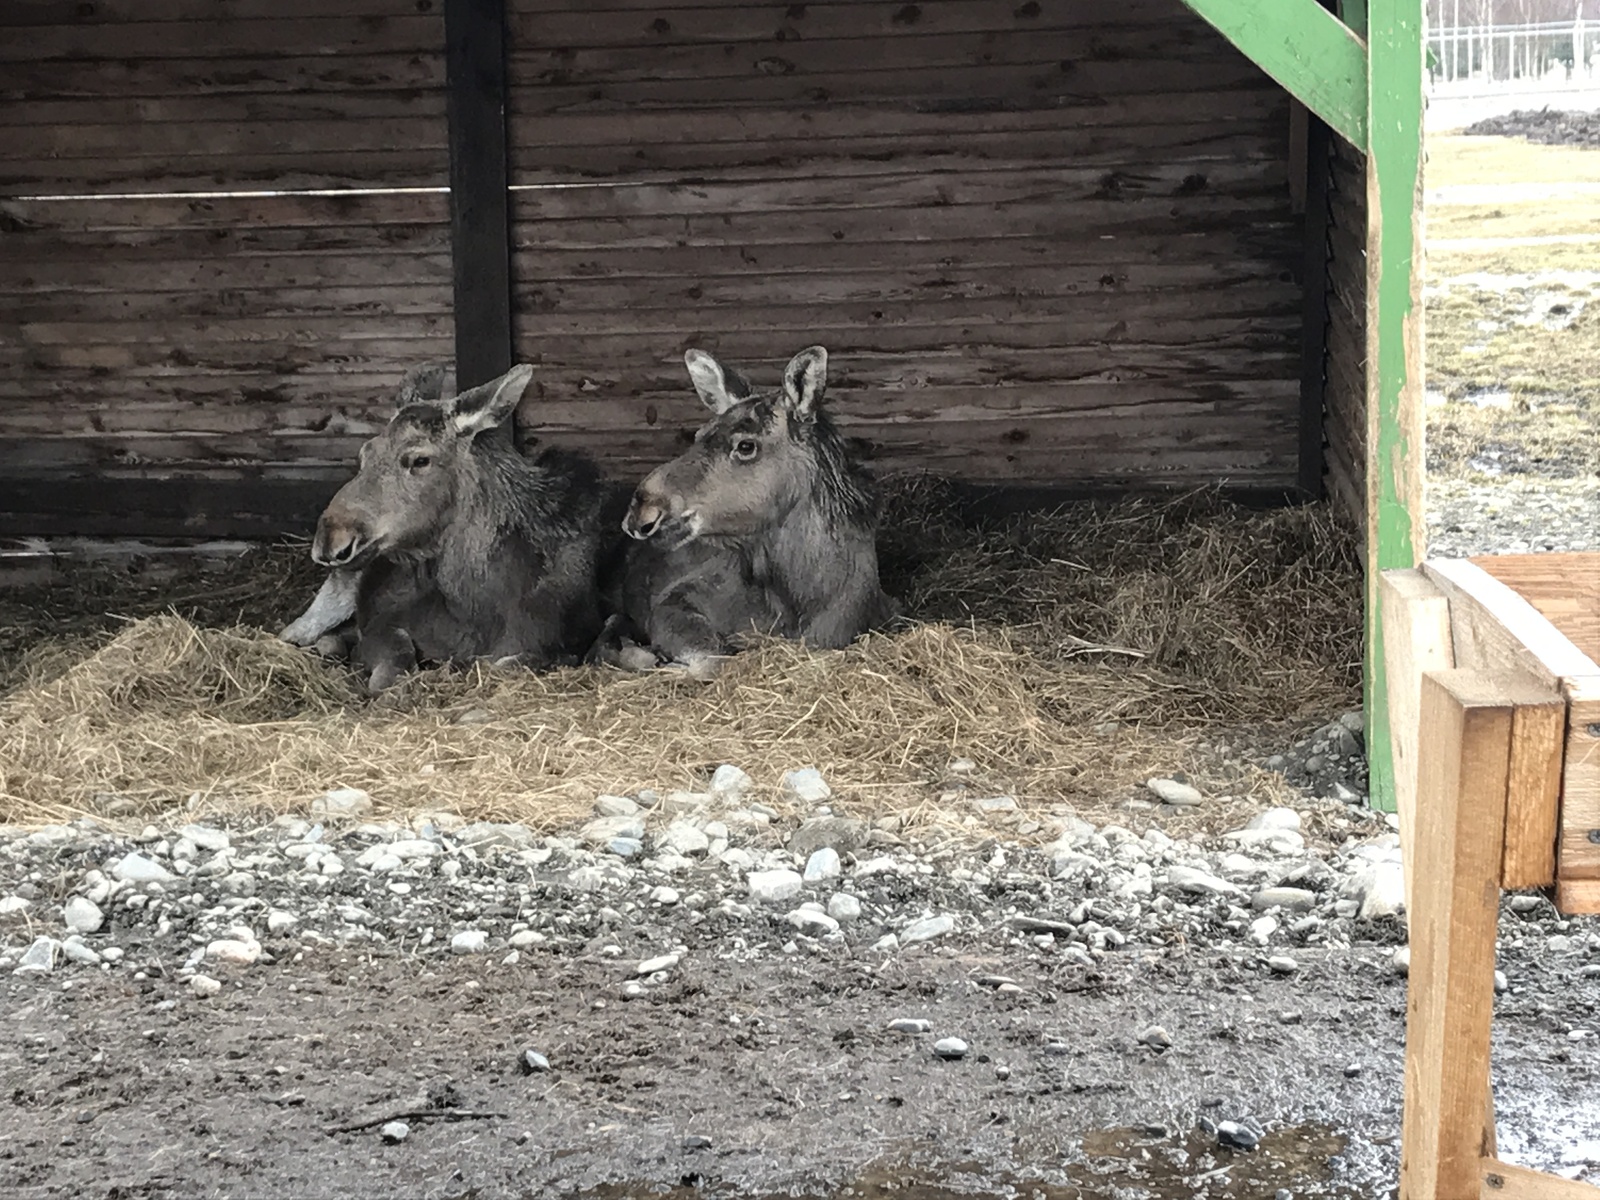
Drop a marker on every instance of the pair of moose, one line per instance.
(450, 544)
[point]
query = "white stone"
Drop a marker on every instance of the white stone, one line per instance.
(809, 920)
(1283, 964)
(240, 946)
(1381, 888)
(206, 838)
(342, 802)
(683, 838)
(410, 848)
(616, 806)
(843, 907)
(83, 916)
(1190, 879)
(13, 904)
(76, 951)
(995, 804)
(926, 930)
(730, 782)
(39, 958)
(1292, 898)
(1170, 791)
(469, 941)
(1275, 818)
(807, 786)
(136, 868)
(602, 830)
(950, 1047)
(769, 887)
(888, 943)
(1400, 962)
(279, 921)
(204, 985)
(1262, 929)
(395, 1132)
(1277, 841)
(663, 962)
(823, 864)
(665, 896)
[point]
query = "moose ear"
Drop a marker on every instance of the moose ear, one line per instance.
(489, 404)
(421, 385)
(720, 387)
(804, 381)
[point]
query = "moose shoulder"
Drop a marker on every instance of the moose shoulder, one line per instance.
(764, 524)
(455, 546)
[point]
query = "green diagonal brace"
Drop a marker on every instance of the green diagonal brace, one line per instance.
(1306, 49)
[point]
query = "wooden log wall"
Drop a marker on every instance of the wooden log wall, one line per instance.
(1345, 389)
(215, 259)
(1046, 243)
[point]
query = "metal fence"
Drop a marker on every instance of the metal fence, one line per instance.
(1493, 54)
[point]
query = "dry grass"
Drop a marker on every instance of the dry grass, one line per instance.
(1455, 159)
(1171, 620)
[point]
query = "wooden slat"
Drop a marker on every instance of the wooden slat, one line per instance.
(1578, 855)
(1505, 1181)
(401, 33)
(105, 308)
(1465, 724)
(271, 80)
(1533, 807)
(1564, 588)
(229, 214)
(1416, 623)
(1578, 897)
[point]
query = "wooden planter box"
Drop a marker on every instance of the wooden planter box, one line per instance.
(1493, 672)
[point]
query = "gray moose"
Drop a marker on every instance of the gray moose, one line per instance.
(764, 524)
(450, 545)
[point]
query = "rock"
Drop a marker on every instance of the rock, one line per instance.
(533, 1063)
(729, 782)
(770, 887)
(1191, 879)
(616, 806)
(1170, 791)
(240, 947)
(1352, 1070)
(469, 941)
(1236, 1136)
(1291, 899)
(926, 930)
(823, 864)
(843, 907)
(912, 1025)
(395, 1132)
(1262, 929)
(604, 829)
(683, 838)
(279, 921)
(838, 833)
(75, 951)
(211, 840)
(665, 896)
(1400, 961)
(1501, 983)
(650, 966)
(204, 985)
(1283, 964)
(134, 867)
(1381, 888)
(1275, 818)
(950, 1048)
(887, 944)
(485, 835)
(239, 884)
(1559, 943)
(625, 847)
(1524, 904)
(39, 958)
(83, 916)
(809, 920)
(412, 848)
(805, 786)
(995, 804)
(697, 1141)
(342, 803)
(1156, 1037)
(13, 904)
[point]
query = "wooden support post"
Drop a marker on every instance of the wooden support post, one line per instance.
(1314, 311)
(1395, 449)
(480, 229)
(1416, 622)
(1466, 724)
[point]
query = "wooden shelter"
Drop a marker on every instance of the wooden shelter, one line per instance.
(1061, 246)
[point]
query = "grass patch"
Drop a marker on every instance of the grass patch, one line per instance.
(1464, 159)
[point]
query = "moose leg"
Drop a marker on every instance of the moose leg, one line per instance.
(332, 606)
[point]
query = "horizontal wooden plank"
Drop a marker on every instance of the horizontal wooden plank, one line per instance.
(1129, 148)
(401, 33)
(117, 253)
(344, 75)
(431, 298)
(404, 167)
(266, 356)
(218, 139)
(101, 269)
(228, 213)
(209, 506)
(533, 25)
(541, 64)
(1066, 84)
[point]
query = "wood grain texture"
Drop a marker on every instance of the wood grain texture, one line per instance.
(1564, 588)
(1344, 394)
(1466, 724)
(1416, 615)
(1506, 1181)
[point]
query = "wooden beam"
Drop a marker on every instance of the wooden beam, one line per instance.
(1416, 622)
(1466, 724)
(1395, 449)
(1306, 49)
(1503, 1181)
(480, 227)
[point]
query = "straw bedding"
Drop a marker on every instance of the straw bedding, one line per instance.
(1068, 654)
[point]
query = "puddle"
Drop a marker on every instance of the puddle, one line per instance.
(1131, 1163)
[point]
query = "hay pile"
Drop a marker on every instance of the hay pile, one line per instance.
(1172, 621)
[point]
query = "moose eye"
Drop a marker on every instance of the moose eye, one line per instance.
(417, 462)
(745, 449)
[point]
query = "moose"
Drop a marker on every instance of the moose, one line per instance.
(764, 525)
(450, 544)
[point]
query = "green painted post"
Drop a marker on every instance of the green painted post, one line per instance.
(1306, 49)
(1395, 534)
